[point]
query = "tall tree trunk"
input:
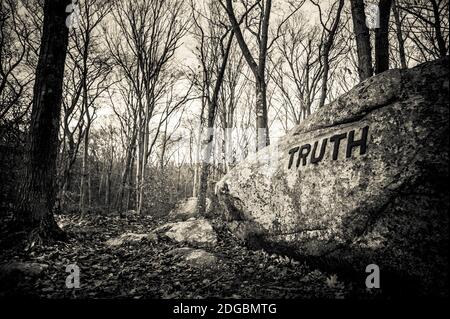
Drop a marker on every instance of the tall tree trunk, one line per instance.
(437, 29)
(84, 173)
(262, 129)
(39, 189)
(130, 183)
(326, 53)
(108, 189)
(362, 35)
(126, 172)
(143, 161)
(205, 165)
(163, 148)
(224, 148)
(196, 169)
(382, 37)
(89, 189)
(139, 162)
(197, 164)
(326, 70)
(178, 182)
(399, 34)
(229, 136)
(100, 184)
(195, 179)
(67, 174)
(208, 142)
(258, 69)
(85, 187)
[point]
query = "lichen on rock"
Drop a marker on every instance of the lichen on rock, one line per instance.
(363, 179)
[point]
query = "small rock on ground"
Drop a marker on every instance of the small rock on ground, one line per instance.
(25, 268)
(128, 238)
(197, 232)
(195, 257)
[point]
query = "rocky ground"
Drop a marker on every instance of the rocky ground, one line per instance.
(140, 257)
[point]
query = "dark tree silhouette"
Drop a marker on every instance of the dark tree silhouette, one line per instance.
(39, 189)
(365, 69)
(382, 38)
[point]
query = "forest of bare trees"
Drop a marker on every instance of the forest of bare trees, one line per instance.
(170, 148)
(112, 106)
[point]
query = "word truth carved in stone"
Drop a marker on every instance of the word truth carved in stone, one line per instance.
(315, 156)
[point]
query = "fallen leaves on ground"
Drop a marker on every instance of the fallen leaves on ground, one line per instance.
(147, 269)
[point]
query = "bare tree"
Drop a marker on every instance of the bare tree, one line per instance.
(298, 71)
(382, 37)
(234, 84)
(38, 193)
(258, 68)
(127, 117)
(399, 35)
(362, 36)
(17, 65)
(150, 32)
(214, 48)
(88, 77)
(328, 43)
(428, 27)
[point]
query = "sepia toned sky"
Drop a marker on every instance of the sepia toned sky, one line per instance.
(185, 57)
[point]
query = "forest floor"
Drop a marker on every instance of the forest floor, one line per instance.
(147, 269)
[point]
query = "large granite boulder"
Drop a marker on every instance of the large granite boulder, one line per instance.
(363, 180)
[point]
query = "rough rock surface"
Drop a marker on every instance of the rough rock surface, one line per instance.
(195, 257)
(370, 185)
(187, 208)
(129, 238)
(194, 231)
